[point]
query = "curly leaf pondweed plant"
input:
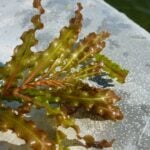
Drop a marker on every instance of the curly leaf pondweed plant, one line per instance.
(52, 79)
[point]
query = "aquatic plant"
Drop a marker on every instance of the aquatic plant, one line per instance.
(53, 79)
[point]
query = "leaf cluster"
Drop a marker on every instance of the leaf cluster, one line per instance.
(53, 79)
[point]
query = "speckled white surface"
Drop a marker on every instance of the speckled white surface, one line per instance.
(129, 45)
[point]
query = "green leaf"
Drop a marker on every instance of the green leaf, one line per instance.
(27, 130)
(59, 48)
(113, 69)
(86, 49)
(101, 101)
(23, 57)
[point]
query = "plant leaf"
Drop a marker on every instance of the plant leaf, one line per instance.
(59, 48)
(27, 130)
(113, 69)
(23, 57)
(99, 100)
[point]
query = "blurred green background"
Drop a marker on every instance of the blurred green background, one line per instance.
(137, 10)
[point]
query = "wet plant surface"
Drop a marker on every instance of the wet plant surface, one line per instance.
(53, 79)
